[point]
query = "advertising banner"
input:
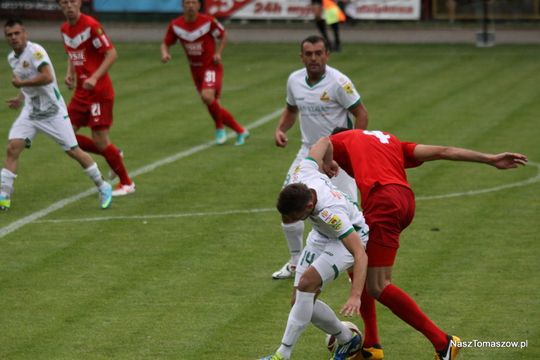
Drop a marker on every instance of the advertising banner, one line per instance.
(301, 9)
(30, 9)
(130, 6)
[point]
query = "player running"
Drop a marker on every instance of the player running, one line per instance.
(91, 55)
(203, 39)
(44, 110)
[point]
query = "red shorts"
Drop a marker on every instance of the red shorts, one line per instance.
(94, 115)
(209, 77)
(388, 210)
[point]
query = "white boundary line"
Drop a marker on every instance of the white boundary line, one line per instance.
(16, 225)
(265, 210)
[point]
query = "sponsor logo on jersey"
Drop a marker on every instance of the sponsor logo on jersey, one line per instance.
(349, 88)
(38, 55)
(335, 222)
(324, 96)
(99, 31)
(194, 49)
(77, 57)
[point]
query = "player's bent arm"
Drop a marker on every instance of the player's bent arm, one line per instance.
(110, 57)
(44, 77)
(361, 116)
(322, 152)
(504, 160)
(287, 120)
(221, 46)
(353, 243)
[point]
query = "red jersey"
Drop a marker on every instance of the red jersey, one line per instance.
(373, 158)
(86, 44)
(197, 37)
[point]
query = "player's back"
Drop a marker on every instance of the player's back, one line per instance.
(371, 157)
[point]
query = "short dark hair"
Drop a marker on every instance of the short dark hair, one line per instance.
(313, 39)
(12, 22)
(339, 129)
(293, 198)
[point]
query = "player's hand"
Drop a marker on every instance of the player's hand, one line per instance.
(89, 84)
(217, 58)
(68, 80)
(351, 307)
(508, 160)
(281, 138)
(14, 103)
(331, 169)
(16, 81)
(165, 58)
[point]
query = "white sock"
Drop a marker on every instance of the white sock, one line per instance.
(93, 173)
(299, 318)
(294, 234)
(325, 319)
(6, 182)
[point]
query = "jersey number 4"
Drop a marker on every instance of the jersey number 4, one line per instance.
(379, 135)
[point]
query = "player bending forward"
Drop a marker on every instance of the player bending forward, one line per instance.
(336, 243)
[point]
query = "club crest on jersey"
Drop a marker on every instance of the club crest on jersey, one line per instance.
(324, 96)
(99, 31)
(38, 55)
(349, 88)
(25, 64)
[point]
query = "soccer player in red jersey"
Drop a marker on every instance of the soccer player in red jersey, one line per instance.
(203, 39)
(377, 160)
(91, 55)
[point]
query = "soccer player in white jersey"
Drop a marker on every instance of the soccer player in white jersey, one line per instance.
(44, 110)
(323, 98)
(336, 243)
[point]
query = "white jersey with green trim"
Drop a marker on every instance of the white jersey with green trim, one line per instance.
(324, 105)
(335, 215)
(40, 102)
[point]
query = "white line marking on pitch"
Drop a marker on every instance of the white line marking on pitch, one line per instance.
(14, 226)
(265, 210)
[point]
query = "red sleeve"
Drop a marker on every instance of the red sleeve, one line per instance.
(100, 40)
(217, 30)
(170, 38)
(408, 155)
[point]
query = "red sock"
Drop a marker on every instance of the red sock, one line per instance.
(112, 155)
(229, 120)
(369, 315)
(407, 310)
(215, 111)
(87, 144)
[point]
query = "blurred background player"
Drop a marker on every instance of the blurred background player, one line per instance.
(328, 12)
(44, 110)
(335, 244)
(203, 39)
(378, 161)
(322, 97)
(91, 55)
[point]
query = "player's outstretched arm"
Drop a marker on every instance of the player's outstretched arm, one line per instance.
(360, 115)
(353, 243)
(503, 161)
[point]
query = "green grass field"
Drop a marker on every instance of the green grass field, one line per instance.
(181, 269)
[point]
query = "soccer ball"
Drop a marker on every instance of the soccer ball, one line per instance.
(331, 342)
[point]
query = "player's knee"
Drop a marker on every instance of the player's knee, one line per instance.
(308, 284)
(375, 289)
(207, 98)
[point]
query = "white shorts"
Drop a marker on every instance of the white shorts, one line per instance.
(329, 261)
(342, 181)
(57, 127)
